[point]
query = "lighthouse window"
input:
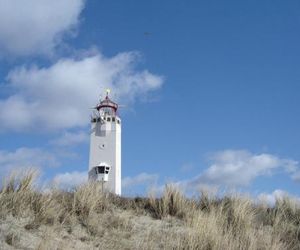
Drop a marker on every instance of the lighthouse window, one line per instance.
(108, 119)
(113, 119)
(118, 121)
(100, 170)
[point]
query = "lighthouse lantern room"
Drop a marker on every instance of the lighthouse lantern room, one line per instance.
(105, 146)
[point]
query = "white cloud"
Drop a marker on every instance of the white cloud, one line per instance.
(278, 194)
(141, 179)
(71, 139)
(36, 26)
(70, 180)
(185, 168)
(60, 96)
(296, 176)
(236, 168)
(24, 158)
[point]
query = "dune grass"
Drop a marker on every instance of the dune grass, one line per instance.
(87, 218)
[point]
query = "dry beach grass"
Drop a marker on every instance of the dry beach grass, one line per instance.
(86, 218)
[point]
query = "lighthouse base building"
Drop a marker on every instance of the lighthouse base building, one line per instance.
(105, 146)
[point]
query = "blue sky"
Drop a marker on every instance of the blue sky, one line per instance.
(211, 88)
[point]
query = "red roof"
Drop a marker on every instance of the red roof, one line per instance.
(107, 103)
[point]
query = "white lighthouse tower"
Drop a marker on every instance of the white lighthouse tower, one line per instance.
(105, 146)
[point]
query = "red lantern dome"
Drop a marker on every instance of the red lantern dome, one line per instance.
(107, 105)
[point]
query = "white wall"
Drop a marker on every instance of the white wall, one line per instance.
(105, 146)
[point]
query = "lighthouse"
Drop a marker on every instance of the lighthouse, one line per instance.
(105, 146)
